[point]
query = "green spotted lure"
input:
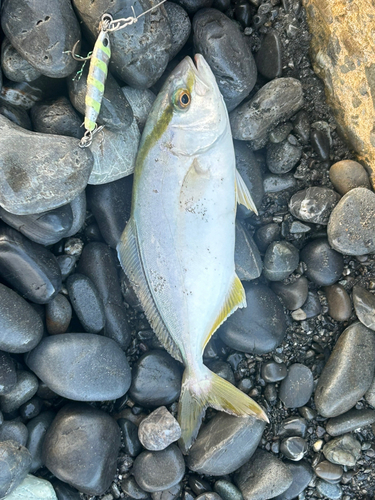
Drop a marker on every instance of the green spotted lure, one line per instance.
(98, 70)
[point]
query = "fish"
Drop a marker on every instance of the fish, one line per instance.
(177, 248)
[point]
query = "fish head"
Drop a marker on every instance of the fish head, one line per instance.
(190, 109)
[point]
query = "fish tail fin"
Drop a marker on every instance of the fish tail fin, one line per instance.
(210, 390)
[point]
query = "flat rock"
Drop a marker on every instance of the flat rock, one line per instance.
(28, 267)
(343, 450)
(21, 326)
(24, 389)
(364, 305)
(225, 444)
(33, 488)
(81, 448)
(159, 470)
(342, 55)
(263, 477)
(81, 366)
(215, 36)
(296, 388)
(39, 172)
(140, 53)
(352, 223)
(15, 461)
(275, 102)
(259, 327)
(313, 204)
(159, 430)
(348, 372)
(350, 421)
(43, 33)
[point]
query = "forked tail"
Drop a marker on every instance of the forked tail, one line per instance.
(210, 390)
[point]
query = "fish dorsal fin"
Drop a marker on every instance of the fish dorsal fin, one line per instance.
(243, 196)
(235, 298)
(130, 259)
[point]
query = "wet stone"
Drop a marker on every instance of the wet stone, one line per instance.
(320, 143)
(98, 262)
(156, 380)
(293, 426)
(274, 183)
(249, 169)
(247, 258)
(265, 235)
(180, 25)
(131, 489)
(51, 170)
(24, 389)
(12, 430)
(140, 100)
(225, 444)
(350, 421)
(86, 302)
(348, 174)
(14, 66)
(45, 228)
(297, 386)
(81, 448)
(198, 485)
(69, 364)
(275, 102)
(227, 490)
(283, 156)
(348, 372)
(364, 305)
(242, 13)
(269, 56)
(159, 430)
(159, 470)
(215, 35)
(293, 295)
(280, 260)
(66, 264)
(110, 204)
(302, 475)
(58, 315)
(37, 428)
(352, 223)
(263, 477)
(343, 450)
(339, 304)
(8, 376)
(328, 471)
(294, 448)
(313, 204)
(15, 464)
(42, 34)
(273, 372)
(56, 117)
(28, 267)
(259, 327)
(328, 490)
(131, 441)
(140, 53)
(324, 265)
(33, 488)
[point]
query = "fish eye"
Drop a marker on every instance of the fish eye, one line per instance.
(182, 99)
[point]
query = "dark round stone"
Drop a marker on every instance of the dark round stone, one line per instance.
(348, 174)
(328, 471)
(222, 369)
(86, 302)
(70, 365)
(15, 465)
(156, 380)
(247, 258)
(302, 475)
(14, 66)
(324, 265)
(64, 491)
(180, 25)
(274, 183)
(198, 485)
(320, 142)
(350, 421)
(66, 264)
(159, 470)
(301, 126)
(81, 448)
(312, 307)
(37, 428)
(293, 448)
(339, 304)
(329, 490)
(259, 327)
(297, 386)
(8, 376)
(273, 372)
(280, 260)
(16, 115)
(293, 426)
(243, 13)
(58, 315)
(31, 408)
(131, 489)
(364, 305)
(215, 35)
(14, 431)
(24, 389)
(283, 156)
(269, 56)
(192, 6)
(313, 204)
(265, 235)
(293, 295)
(129, 431)
(227, 490)
(56, 117)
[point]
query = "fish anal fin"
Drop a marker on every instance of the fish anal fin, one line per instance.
(243, 195)
(130, 259)
(235, 298)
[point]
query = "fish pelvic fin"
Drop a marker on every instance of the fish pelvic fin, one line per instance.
(243, 195)
(210, 390)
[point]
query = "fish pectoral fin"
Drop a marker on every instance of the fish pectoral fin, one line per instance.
(210, 390)
(243, 195)
(131, 262)
(235, 299)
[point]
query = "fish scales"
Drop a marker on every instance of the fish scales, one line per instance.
(178, 247)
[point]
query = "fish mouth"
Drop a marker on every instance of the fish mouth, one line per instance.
(202, 72)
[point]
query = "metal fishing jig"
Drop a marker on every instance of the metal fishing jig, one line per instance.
(98, 70)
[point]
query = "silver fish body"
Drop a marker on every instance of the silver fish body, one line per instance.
(178, 247)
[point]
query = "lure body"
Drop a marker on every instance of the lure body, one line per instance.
(96, 79)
